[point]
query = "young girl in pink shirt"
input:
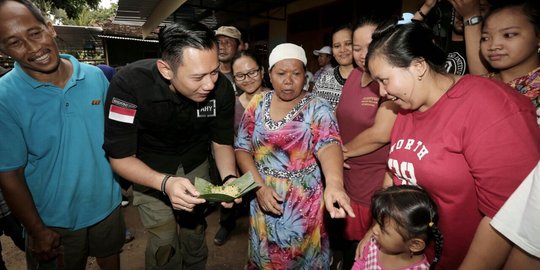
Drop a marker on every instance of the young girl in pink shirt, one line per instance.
(405, 223)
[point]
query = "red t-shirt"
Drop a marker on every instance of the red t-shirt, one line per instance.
(470, 151)
(355, 113)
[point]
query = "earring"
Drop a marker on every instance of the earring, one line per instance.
(538, 49)
(411, 253)
(419, 78)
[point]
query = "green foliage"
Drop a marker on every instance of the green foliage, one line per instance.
(72, 7)
(88, 16)
(77, 12)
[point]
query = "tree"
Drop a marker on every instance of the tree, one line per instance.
(88, 16)
(72, 7)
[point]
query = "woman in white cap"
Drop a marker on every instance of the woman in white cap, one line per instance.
(282, 136)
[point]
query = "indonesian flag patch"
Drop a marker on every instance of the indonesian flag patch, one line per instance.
(122, 111)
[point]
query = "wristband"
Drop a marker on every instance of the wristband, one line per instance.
(422, 14)
(164, 182)
(229, 177)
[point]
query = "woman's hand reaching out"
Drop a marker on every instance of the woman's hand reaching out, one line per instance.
(337, 202)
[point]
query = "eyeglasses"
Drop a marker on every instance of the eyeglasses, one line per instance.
(252, 74)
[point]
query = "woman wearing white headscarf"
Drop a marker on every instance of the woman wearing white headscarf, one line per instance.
(282, 135)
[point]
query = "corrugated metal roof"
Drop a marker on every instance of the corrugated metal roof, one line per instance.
(71, 37)
(134, 12)
(128, 38)
(210, 12)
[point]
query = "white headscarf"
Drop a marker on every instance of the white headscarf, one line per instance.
(286, 51)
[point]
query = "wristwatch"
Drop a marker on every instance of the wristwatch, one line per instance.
(474, 20)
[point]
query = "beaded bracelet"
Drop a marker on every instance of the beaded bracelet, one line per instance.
(164, 182)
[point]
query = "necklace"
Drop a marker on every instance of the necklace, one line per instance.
(338, 76)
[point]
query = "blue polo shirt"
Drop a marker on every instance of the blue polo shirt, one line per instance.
(57, 136)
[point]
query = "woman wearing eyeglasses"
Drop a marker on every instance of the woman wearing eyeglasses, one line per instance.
(248, 75)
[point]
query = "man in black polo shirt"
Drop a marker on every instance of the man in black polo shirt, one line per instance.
(162, 117)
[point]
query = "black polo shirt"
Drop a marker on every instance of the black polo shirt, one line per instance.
(163, 128)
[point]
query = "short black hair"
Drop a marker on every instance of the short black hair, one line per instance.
(175, 37)
(31, 7)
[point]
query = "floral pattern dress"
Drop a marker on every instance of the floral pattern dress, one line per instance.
(285, 156)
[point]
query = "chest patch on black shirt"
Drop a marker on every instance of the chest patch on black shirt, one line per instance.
(209, 110)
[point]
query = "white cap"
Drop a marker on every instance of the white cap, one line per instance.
(325, 49)
(286, 51)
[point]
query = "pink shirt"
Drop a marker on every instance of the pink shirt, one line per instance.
(370, 259)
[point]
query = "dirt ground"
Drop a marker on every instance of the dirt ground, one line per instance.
(232, 255)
